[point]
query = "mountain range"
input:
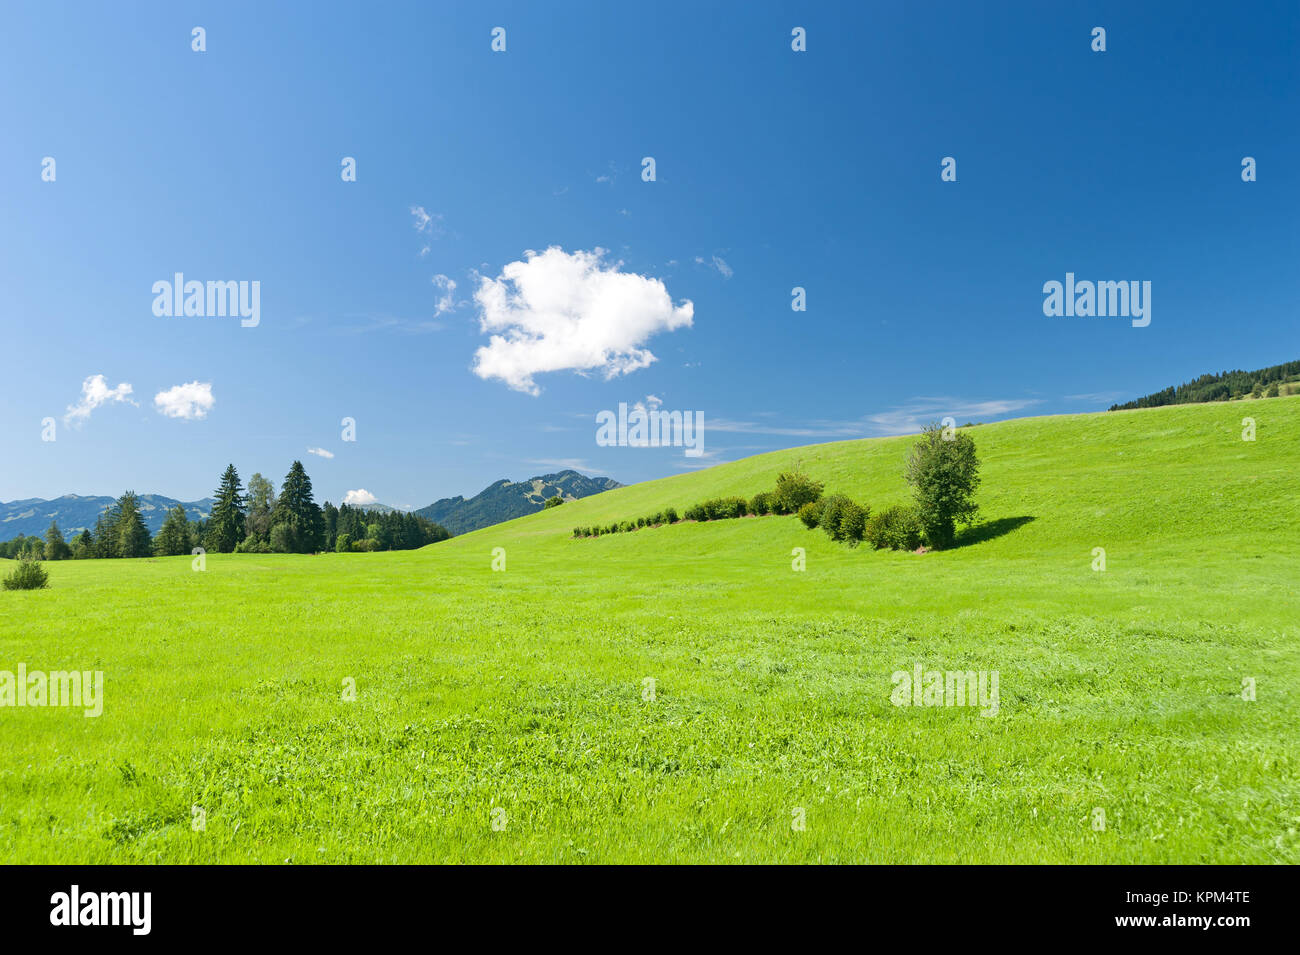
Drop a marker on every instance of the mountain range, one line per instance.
(502, 501)
(505, 500)
(75, 512)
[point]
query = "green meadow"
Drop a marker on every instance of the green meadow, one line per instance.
(520, 697)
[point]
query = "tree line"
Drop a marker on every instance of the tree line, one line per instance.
(253, 520)
(1225, 386)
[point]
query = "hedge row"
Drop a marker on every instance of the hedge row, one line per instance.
(793, 490)
(894, 528)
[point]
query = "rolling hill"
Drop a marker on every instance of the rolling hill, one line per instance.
(506, 500)
(682, 693)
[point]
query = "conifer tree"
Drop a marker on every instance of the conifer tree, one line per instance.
(226, 522)
(298, 513)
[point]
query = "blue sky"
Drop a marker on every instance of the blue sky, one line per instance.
(775, 169)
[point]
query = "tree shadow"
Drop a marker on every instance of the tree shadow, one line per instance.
(989, 530)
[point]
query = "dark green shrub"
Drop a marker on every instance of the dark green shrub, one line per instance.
(28, 575)
(895, 528)
(833, 508)
(627, 526)
(761, 504)
(696, 512)
(555, 501)
(853, 522)
(794, 489)
(811, 513)
(670, 515)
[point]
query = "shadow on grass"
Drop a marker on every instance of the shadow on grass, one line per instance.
(989, 530)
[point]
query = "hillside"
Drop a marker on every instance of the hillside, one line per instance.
(506, 500)
(675, 694)
(75, 513)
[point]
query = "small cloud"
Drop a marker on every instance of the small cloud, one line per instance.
(320, 452)
(95, 392)
(718, 264)
(446, 301)
(191, 401)
(561, 464)
(360, 498)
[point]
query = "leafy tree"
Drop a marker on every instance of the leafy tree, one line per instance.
(132, 534)
(555, 501)
(1272, 391)
(261, 499)
(343, 544)
(296, 510)
(56, 548)
(226, 522)
(944, 475)
(174, 537)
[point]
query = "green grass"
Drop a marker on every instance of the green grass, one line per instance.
(522, 689)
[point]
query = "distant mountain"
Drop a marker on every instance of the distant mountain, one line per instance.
(506, 500)
(1224, 386)
(74, 512)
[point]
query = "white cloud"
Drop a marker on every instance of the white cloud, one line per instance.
(95, 392)
(919, 412)
(718, 264)
(446, 301)
(556, 311)
(427, 223)
(320, 452)
(191, 401)
(360, 498)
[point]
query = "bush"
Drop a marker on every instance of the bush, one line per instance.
(761, 504)
(555, 501)
(853, 522)
(895, 528)
(811, 513)
(696, 512)
(365, 545)
(343, 544)
(252, 545)
(627, 526)
(794, 489)
(724, 508)
(28, 575)
(833, 509)
(670, 515)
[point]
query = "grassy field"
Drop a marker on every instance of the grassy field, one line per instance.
(522, 690)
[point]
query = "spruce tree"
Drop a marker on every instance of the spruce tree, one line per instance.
(298, 513)
(132, 536)
(226, 522)
(56, 548)
(174, 537)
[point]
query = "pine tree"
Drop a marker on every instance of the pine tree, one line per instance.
(106, 533)
(298, 513)
(226, 522)
(56, 548)
(174, 538)
(85, 546)
(132, 536)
